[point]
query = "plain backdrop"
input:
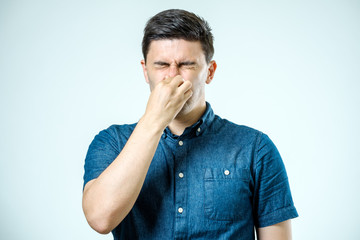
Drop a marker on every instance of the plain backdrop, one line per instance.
(69, 69)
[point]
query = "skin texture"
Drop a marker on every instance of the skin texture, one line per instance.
(176, 72)
(280, 231)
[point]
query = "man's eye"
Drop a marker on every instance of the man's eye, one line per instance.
(162, 65)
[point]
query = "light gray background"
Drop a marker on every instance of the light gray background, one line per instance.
(69, 69)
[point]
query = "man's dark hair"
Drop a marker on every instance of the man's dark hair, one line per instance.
(178, 24)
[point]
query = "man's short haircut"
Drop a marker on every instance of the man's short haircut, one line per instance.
(178, 24)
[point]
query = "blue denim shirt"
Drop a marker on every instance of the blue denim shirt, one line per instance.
(216, 181)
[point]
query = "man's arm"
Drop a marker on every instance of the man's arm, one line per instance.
(109, 198)
(280, 231)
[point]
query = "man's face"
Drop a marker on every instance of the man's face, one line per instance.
(169, 58)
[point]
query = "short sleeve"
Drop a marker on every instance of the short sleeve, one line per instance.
(273, 202)
(101, 153)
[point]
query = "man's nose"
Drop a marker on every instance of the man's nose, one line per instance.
(173, 71)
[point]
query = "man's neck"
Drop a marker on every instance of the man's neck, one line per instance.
(182, 121)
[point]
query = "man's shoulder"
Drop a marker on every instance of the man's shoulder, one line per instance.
(117, 132)
(225, 125)
(121, 129)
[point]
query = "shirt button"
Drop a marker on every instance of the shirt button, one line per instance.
(180, 210)
(181, 143)
(181, 175)
(199, 129)
(226, 172)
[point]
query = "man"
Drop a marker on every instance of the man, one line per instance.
(182, 172)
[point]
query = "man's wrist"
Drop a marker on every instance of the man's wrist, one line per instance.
(151, 124)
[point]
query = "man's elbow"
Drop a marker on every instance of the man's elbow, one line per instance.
(99, 224)
(97, 219)
(101, 220)
(101, 228)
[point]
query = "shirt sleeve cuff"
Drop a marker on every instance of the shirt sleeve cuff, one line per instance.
(277, 216)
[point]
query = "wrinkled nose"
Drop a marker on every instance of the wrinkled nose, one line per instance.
(173, 71)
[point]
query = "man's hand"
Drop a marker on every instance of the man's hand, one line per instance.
(166, 100)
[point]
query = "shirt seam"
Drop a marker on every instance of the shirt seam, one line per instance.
(254, 164)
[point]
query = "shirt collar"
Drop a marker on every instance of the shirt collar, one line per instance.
(197, 128)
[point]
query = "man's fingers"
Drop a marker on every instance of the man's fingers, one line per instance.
(185, 86)
(188, 94)
(176, 81)
(176, 88)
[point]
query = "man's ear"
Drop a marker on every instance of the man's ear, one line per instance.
(211, 71)
(143, 64)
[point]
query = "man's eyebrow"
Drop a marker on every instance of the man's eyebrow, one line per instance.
(187, 63)
(161, 63)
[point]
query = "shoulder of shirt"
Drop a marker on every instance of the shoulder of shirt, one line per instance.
(123, 126)
(120, 130)
(223, 123)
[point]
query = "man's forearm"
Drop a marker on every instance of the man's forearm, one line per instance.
(110, 197)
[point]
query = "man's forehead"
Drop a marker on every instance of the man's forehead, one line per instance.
(175, 49)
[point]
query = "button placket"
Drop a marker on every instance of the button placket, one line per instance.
(180, 187)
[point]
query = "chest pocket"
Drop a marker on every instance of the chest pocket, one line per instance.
(227, 194)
